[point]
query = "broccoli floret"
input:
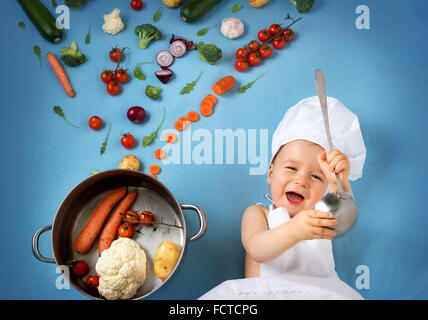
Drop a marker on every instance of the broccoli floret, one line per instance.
(74, 3)
(147, 33)
(209, 52)
(72, 56)
(303, 5)
(153, 92)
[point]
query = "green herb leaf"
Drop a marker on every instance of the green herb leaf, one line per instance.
(204, 30)
(59, 112)
(88, 36)
(54, 3)
(37, 51)
(236, 7)
(21, 25)
(189, 87)
(148, 139)
(104, 145)
(249, 85)
(93, 172)
(157, 15)
(138, 73)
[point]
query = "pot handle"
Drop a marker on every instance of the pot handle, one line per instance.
(36, 251)
(202, 221)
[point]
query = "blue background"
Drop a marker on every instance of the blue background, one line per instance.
(380, 74)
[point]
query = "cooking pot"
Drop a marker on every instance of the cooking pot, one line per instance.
(78, 205)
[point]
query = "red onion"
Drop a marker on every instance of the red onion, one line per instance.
(177, 48)
(189, 44)
(164, 75)
(136, 114)
(164, 58)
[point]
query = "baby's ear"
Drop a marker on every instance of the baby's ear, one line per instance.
(269, 174)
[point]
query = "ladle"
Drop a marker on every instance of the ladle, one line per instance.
(340, 203)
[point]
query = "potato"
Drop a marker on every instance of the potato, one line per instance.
(172, 3)
(166, 257)
(257, 3)
(129, 162)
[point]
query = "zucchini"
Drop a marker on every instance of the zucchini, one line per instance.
(42, 19)
(193, 10)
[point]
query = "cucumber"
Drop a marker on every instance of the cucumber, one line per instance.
(42, 19)
(193, 10)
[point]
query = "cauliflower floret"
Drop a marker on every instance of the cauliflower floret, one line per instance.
(232, 28)
(122, 269)
(112, 22)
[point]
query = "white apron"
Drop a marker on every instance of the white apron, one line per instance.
(303, 272)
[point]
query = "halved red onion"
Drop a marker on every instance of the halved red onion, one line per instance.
(189, 44)
(177, 48)
(164, 75)
(164, 58)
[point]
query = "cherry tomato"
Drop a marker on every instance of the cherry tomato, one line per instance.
(116, 54)
(80, 268)
(121, 75)
(254, 59)
(288, 34)
(253, 45)
(131, 215)
(107, 76)
(265, 51)
(146, 217)
(92, 282)
(278, 42)
(241, 53)
(127, 140)
(95, 122)
(125, 230)
(263, 35)
(136, 4)
(274, 29)
(241, 65)
(113, 88)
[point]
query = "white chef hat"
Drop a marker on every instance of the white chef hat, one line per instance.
(304, 121)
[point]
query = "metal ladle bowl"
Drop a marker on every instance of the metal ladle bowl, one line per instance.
(340, 203)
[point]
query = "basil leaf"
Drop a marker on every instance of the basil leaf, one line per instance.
(204, 30)
(157, 15)
(138, 73)
(104, 145)
(21, 25)
(37, 51)
(236, 7)
(88, 36)
(148, 139)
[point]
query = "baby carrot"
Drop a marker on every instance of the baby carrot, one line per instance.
(171, 137)
(160, 154)
(154, 169)
(60, 73)
(193, 116)
(223, 85)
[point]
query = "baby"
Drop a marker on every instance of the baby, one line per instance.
(299, 174)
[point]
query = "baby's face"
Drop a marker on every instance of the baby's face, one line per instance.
(296, 180)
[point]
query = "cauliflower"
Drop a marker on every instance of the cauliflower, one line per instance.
(122, 269)
(113, 23)
(232, 28)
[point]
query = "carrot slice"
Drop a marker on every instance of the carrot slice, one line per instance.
(193, 116)
(153, 176)
(207, 102)
(211, 98)
(206, 110)
(179, 125)
(171, 137)
(185, 121)
(160, 154)
(154, 169)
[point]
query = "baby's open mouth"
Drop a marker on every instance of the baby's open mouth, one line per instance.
(294, 197)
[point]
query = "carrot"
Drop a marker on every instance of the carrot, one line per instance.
(193, 116)
(207, 102)
(160, 154)
(206, 110)
(95, 222)
(185, 121)
(153, 176)
(211, 98)
(223, 85)
(179, 125)
(60, 73)
(154, 169)
(110, 229)
(171, 137)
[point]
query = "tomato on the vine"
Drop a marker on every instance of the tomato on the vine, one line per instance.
(107, 76)
(274, 29)
(92, 282)
(127, 140)
(125, 230)
(137, 4)
(241, 65)
(146, 217)
(116, 54)
(254, 59)
(253, 45)
(113, 88)
(241, 53)
(132, 216)
(95, 122)
(121, 75)
(288, 34)
(80, 268)
(278, 42)
(263, 35)
(265, 51)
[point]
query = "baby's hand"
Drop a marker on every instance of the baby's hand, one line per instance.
(334, 162)
(312, 224)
